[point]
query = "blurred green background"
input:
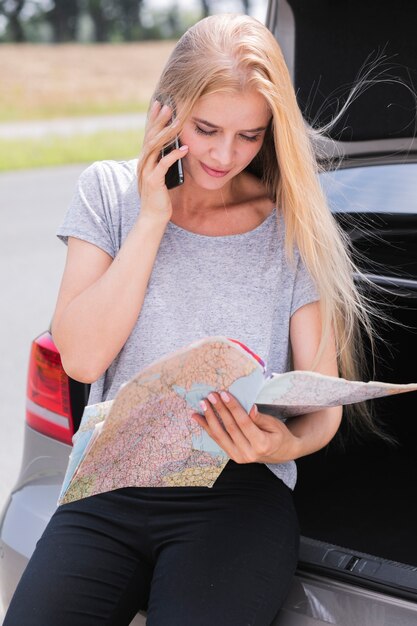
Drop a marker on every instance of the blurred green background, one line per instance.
(77, 75)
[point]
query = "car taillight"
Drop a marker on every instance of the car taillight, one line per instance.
(48, 408)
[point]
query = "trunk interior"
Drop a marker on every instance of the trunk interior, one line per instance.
(360, 494)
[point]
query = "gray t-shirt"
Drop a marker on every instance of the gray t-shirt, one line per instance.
(240, 286)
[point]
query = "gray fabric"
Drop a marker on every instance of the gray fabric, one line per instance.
(240, 286)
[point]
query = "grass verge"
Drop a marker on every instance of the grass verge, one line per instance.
(54, 150)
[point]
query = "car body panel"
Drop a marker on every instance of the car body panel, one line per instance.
(317, 600)
(389, 188)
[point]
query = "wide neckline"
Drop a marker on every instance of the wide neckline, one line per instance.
(247, 233)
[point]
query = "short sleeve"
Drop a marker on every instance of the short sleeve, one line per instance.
(88, 214)
(305, 290)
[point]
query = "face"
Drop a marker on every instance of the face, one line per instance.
(224, 133)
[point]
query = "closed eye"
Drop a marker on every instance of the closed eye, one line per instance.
(250, 138)
(200, 130)
(210, 133)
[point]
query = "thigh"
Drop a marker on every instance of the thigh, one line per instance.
(81, 572)
(232, 562)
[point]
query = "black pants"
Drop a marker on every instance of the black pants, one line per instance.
(191, 556)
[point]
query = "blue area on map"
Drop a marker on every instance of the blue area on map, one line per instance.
(80, 441)
(245, 389)
(192, 397)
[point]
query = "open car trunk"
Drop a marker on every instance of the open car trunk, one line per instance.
(328, 46)
(356, 498)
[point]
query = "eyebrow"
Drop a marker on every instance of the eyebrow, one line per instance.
(210, 125)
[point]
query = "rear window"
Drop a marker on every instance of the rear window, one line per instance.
(373, 188)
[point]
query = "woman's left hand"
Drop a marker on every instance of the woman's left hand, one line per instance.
(252, 437)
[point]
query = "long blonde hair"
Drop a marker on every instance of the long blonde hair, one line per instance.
(235, 53)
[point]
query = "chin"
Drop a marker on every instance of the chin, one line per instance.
(205, 181)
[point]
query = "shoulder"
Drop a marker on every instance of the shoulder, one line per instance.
(111, 175)
(107, 193)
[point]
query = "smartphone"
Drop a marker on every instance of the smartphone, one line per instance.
(175, 174)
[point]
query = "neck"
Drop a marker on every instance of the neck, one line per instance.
(191, 200)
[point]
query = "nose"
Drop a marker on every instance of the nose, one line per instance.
(222, 152)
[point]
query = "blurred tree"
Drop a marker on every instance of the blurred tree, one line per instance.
(174, 20)
(130, 18)
(11, 9)
(102, 15)
(205, 8)
(115, 19)
(107, 20)
(63, 18)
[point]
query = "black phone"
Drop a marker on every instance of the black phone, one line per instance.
(175, 174)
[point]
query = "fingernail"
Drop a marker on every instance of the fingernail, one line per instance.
(212, 398)
(203, 405)
(224, 396)
(184, 148)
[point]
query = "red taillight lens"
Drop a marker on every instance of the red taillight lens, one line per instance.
(48, 408)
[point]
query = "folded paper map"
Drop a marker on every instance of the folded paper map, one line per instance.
(146, 437)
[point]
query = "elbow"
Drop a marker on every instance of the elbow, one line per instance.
(80, 369)
(79, 372)
(77, 366)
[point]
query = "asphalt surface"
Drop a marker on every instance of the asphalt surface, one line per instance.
(32, 204)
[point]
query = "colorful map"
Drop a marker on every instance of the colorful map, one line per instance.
(297, 392)
(146, 437)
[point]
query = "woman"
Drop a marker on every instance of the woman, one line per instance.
(246, 247)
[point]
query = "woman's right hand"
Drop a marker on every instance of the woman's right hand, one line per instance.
(155, 199)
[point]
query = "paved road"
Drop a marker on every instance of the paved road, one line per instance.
(71, 125)
(32, 204)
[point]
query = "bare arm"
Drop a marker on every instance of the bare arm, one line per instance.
(259, 437)
(314, 430)
(100, 299)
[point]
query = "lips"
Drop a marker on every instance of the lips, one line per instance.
(212, 172)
